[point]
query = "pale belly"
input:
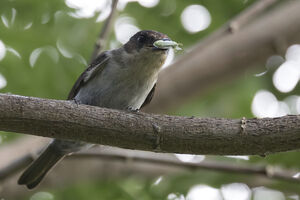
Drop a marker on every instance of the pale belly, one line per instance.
(118, 92)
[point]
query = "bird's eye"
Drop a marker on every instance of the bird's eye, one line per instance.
(141, 39)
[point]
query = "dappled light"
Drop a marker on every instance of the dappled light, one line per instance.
(190, 158)
(50, 51)
(239, 157)
(13, 51)
(45, 18)
(2, 81)
(286, 76)
(125, 27)
(86, 8)
(8, 22)
(285, 80)
(236, 191)
(264, 104)
(28, 25)
(158, 180)
(204, 192)
(262, 193)
(63, 50)
(148, 3)
(42, 196)
(195, 18)
(2, 50)
(217, 76)
(173, 196)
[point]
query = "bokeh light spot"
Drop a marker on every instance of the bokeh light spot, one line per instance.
(293, 53)
(3, 81)
(239, 157)
(195, 18)
(13, 51)
(2, 50)
(173, 196)
(203, 192)
(190, 158)
(42, 196)
(125, 28)
(28, 26)
(5, 21)
(286, 76)
(262, 193)
(148, 3)
(264, 104)
(86, 8)
(49, 50)
(236, 191)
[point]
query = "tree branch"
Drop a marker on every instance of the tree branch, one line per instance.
(101, 41)
(265, 171)
(220, 58)
(159, 133)
(246, 16)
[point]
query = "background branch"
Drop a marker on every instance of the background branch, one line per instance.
(159, 159)
(102, 39)
(108, 162)
(222, 58)
(159, 133)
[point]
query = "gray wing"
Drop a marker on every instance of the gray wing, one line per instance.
(149, 97)
(96, 67)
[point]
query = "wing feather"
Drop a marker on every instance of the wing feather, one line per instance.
(149, 97)
(95, 68)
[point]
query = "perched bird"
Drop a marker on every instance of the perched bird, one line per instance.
(123, 78)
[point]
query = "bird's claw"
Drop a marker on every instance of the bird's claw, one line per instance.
(134, 110)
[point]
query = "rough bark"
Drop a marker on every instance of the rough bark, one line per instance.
(159, 133)
(215, 60)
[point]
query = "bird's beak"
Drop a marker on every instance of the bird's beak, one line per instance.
(159, 44)
(165, 44)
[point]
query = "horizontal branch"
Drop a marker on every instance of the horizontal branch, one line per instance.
(223, 56)
(159, 133)
(266, 171)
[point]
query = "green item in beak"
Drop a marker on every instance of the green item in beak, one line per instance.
(166, 44)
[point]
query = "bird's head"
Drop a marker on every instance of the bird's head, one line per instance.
(143, 42)
(142, 50)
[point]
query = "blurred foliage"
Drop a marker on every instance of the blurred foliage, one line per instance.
(51, 79)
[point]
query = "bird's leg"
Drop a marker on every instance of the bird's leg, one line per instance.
(77, 102)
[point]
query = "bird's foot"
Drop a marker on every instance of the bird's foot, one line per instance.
(134, 110)
(77, 102)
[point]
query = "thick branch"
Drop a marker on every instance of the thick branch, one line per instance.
(227, 56)
(159, 133)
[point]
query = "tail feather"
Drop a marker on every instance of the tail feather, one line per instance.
(34, 174)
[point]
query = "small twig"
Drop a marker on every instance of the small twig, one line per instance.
(266, 171)
(101, 41)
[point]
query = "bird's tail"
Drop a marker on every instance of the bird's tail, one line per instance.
(34, 174)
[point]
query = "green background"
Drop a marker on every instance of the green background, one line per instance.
(51, 79)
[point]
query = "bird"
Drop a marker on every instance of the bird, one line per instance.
(123, 78)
